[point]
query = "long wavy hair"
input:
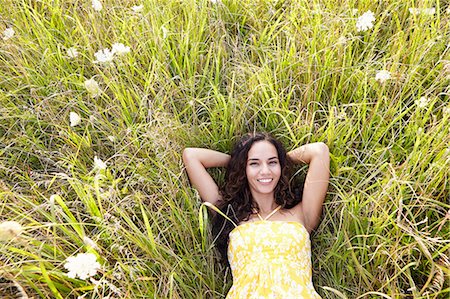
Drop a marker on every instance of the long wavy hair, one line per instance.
(237, 202)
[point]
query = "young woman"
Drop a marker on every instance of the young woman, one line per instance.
(268, 258)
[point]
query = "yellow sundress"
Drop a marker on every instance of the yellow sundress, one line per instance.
(270, 259)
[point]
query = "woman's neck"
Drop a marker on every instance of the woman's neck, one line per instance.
(266, 204)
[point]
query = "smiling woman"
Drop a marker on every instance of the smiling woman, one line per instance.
(268, 258)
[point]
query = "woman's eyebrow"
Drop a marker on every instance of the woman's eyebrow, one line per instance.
(256, 159)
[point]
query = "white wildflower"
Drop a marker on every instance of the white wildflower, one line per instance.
(137, 8)
(111, 138)
(382, 76)
(414, 11)
(422, 11)
(429, 11)
(83, 265)
(52, 199)
(89, 242)
(74, 118)
(354, 11)
(342, 115)
(92, 87)
(9, 230)
(8, 33)
(72, 52)
(97, 5)
(164, 31)
(99, 164)
(422, 102)
(446, 66)
(317, 11)
(215, 1)
(365, 21)
(104, 56)
(120, 49)
(446, 110)
(342, 40)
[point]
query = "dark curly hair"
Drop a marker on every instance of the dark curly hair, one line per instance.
(237, 202)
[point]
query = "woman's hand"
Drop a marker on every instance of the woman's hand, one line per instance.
(317, 155)
(197, 160)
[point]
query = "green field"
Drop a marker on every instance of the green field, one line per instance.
(201, 73)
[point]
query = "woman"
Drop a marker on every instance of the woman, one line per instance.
(268, 258)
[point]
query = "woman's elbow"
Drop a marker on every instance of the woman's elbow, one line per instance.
(322, 149)
(187, 154)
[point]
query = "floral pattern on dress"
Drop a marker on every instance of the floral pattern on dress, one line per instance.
(270, 260)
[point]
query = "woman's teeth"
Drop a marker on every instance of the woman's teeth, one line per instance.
(265, 180)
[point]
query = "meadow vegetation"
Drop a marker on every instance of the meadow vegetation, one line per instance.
(201, 73)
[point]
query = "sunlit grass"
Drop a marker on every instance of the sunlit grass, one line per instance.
(200, 74)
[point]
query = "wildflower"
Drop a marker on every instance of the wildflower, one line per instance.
(137, 8)
(8, 33)
(429, 11)
(74, 118)
(89, 242)
(354, 11)
(382, 76)
(422, 102)
(9, 230)
(120, 49)
(104, 56)
(215, 1)
(446, 110)
(317, 11)
(365, 21)
(83, 265)
(72, 52)
(92, 87)
(99, 164)
(164, 31)
(342, 115)
(111, 138)
(97, 5)
(52, 199)
(342, 40)
(446, 67)
(422, 11)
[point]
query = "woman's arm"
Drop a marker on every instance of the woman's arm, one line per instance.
(197, 160)
(317, 156)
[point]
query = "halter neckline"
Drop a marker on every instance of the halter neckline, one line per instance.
(268, 216)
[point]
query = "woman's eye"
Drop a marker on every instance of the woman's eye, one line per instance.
(273, 162)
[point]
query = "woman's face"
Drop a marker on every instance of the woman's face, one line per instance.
(263, 168)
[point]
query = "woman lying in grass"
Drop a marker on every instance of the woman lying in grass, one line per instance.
(268, 258)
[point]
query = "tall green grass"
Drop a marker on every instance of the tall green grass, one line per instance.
(201, 73)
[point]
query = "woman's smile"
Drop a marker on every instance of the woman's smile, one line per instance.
(265, 180)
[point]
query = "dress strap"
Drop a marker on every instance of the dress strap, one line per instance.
(271, 213)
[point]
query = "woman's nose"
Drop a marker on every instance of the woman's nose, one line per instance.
(265, 168)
